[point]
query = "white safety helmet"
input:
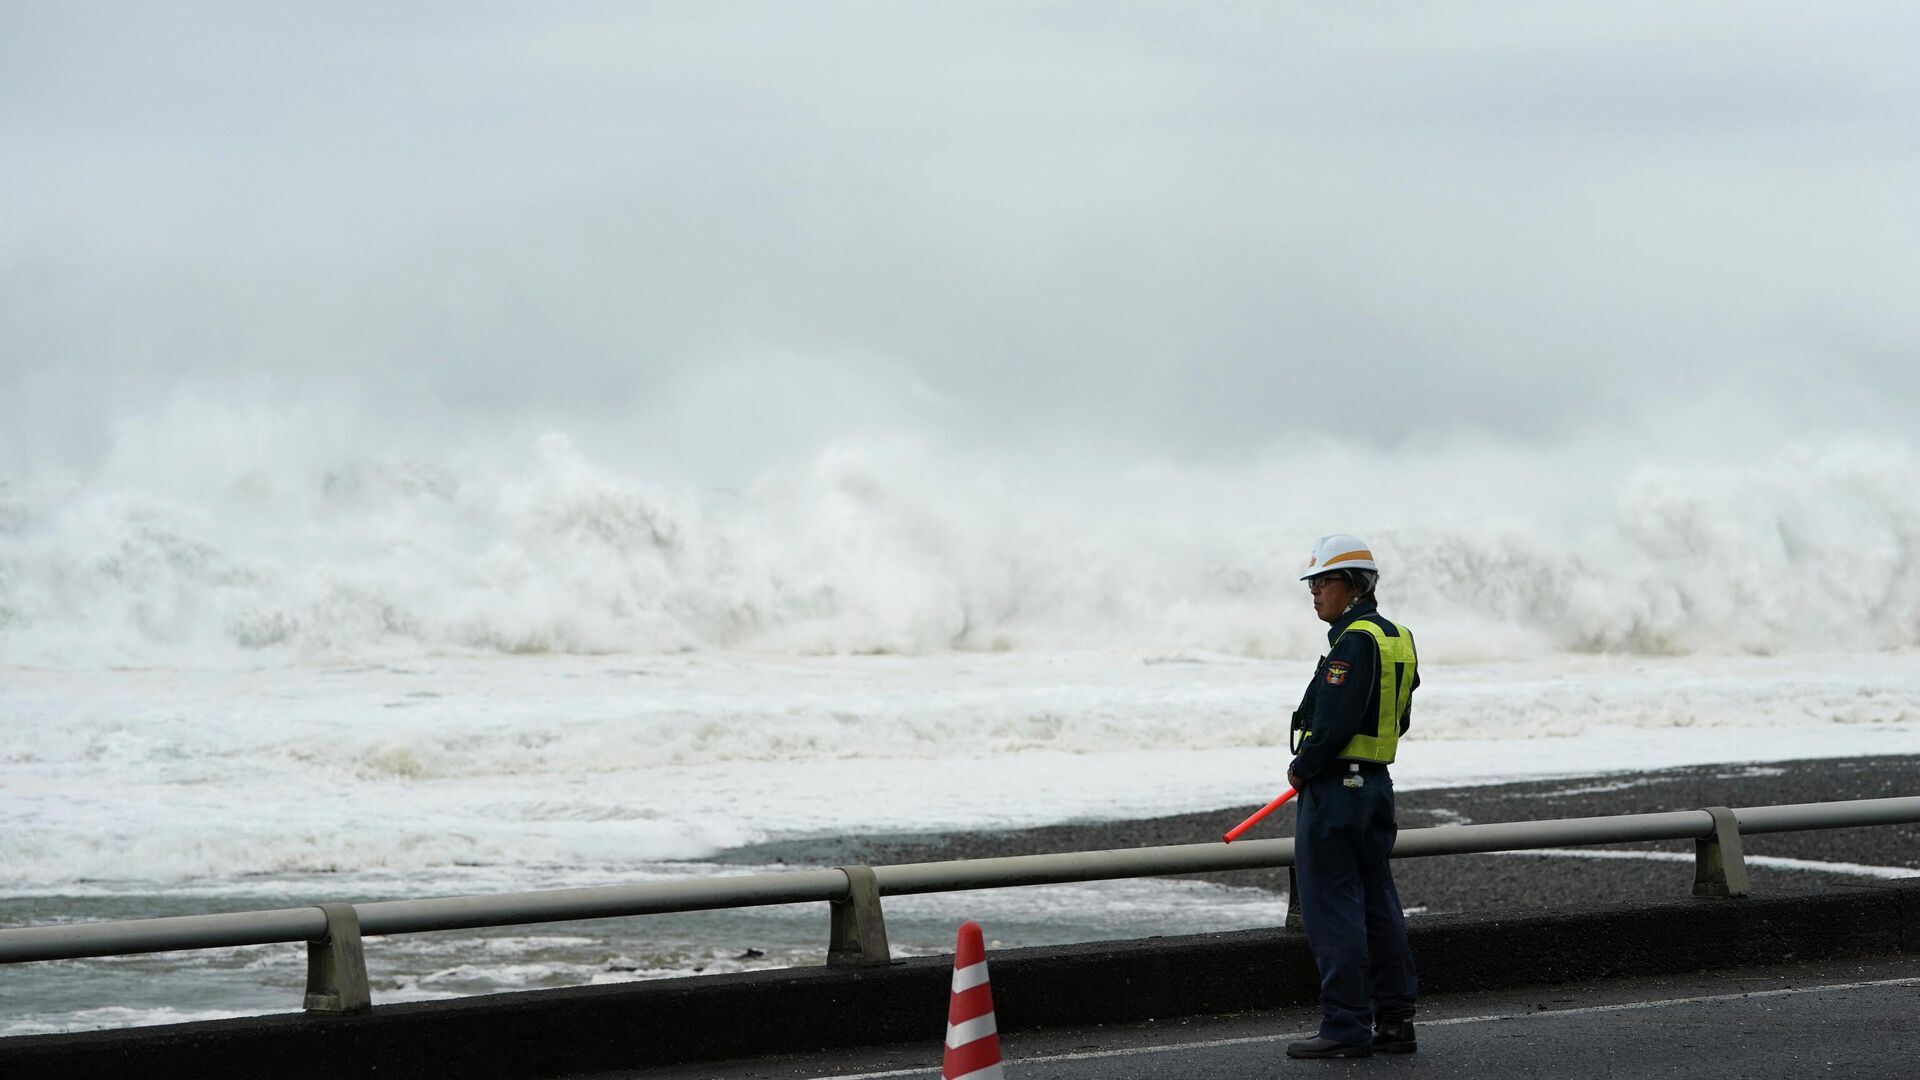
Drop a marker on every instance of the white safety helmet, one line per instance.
(1339, 552)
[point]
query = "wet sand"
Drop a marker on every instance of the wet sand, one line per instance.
(1503, 881)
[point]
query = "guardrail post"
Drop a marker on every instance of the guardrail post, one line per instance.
(859, 931)
(1295, 920)
(1719, 862)
(336, 965)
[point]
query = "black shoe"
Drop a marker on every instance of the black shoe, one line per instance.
(1324, 1048)
(1394, 1038)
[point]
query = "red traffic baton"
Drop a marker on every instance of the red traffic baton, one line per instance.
(1234, 833)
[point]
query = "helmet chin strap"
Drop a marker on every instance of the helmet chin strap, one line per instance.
(1362, 588)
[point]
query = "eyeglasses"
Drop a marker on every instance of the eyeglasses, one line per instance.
(1316, 584)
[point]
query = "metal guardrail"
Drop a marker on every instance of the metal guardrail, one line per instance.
(336, 969)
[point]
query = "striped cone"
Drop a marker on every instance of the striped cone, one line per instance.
(973, 1040)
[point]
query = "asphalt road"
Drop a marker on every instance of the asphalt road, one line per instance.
(1859, 1019)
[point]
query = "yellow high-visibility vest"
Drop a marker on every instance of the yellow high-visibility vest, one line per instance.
(1397, 665)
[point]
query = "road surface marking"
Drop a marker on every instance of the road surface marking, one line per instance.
(1205, 1044)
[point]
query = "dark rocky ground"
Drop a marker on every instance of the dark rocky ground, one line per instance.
(1505, 881)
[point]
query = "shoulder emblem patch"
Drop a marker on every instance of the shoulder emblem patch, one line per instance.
(1337, 672)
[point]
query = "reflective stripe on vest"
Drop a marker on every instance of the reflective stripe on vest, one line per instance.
(1397, 665)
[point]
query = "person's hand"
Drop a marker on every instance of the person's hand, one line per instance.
(1294, 781)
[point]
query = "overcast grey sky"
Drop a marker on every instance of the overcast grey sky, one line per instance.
(1191, 228)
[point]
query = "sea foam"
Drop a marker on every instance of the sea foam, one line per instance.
(215, 534)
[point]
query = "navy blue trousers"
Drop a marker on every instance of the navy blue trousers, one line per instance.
(1341, 840)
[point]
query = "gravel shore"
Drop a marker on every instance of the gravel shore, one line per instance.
(1503, 881)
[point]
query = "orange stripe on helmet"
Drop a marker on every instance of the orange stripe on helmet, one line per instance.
(1363, 553)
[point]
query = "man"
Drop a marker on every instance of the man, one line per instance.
(1352, 717)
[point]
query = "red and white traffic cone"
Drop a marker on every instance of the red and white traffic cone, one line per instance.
(973, 1040)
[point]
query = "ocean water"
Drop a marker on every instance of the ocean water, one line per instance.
(237, 675)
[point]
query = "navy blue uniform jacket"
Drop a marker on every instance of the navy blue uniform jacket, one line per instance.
(1342, 700)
